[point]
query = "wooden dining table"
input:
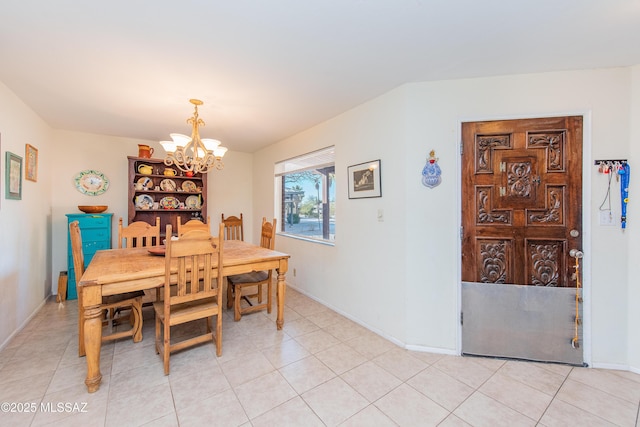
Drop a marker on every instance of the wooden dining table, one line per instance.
(115, 271)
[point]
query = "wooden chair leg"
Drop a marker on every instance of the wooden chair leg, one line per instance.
(218, 337)
(158, 335)
(236, 305)
(166, 347)
(136, 312)
(229, 294)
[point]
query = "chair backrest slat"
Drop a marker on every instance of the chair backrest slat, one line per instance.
(138, 234)
(197, 261)
(268, 233)
(193, 224)
(233, 227)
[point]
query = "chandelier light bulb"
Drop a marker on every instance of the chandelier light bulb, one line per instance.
(179, 139)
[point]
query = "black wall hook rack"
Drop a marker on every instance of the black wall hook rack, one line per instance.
(609, 162)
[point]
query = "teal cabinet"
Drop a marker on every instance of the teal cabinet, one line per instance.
(96, 235)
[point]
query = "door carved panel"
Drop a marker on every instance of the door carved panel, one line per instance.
(521, 198)
(495, 261)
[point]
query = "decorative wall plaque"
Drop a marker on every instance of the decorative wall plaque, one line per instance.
(431, 173)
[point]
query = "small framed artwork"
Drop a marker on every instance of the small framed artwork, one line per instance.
(31, 166)
(13, 176)
(364, 180)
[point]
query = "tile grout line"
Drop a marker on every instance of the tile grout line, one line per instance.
(555, 395)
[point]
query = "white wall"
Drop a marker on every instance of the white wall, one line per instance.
(25, 230)
(230, 192)
(401, 277)
(75, 152)
(363, 275)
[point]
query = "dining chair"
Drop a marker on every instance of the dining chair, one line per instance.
(236, 283)
(110, 304)
(138, 234)
(233, 227)
(193, 224)
(192, 291)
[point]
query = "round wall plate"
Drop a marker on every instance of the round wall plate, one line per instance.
(91, 182)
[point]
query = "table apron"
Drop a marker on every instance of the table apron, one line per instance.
(131, 286)
(257, 266)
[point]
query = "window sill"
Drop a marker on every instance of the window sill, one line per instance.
(307, 239)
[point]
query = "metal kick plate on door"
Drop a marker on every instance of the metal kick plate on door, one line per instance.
(520, 322)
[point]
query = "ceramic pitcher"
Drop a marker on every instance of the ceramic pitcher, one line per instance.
(145, 151)
(145, 169)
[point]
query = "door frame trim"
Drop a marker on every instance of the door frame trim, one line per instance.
(586, 217)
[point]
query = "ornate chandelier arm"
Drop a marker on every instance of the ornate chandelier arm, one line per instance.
(194, 154)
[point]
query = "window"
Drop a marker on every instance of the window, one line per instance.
(306, 195)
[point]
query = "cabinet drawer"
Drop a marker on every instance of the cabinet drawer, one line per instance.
(93, 221)
(94, 234)
(89, 249)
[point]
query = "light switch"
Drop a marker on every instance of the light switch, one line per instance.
(380, 215)
(607, 217)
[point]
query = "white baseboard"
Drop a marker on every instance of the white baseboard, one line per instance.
(375, 330)
(22, 326)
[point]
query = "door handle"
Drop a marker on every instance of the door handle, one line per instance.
(575, 253)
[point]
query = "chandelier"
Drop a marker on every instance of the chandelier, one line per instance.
(192, 154)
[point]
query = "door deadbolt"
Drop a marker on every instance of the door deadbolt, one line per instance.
(574, 233)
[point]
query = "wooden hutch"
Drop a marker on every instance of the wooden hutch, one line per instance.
(153, 194)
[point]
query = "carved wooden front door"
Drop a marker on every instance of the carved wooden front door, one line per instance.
(521, 200)
(521, 205)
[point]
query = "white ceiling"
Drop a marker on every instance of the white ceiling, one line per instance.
(267, 69)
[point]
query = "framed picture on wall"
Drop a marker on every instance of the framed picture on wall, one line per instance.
(13, 176)
(364, 180)
(31, 167)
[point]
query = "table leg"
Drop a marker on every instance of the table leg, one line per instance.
(280, 292)
(92, 303)
(92, 344)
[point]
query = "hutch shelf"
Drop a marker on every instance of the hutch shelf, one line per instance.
(153, 194)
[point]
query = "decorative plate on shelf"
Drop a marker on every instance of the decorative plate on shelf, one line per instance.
(168, 185)
(146, 182)
(193, 202)
(169, 202)
(189, 186)
(144, 201)
(91, 182)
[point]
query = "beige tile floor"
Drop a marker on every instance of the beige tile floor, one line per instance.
(320, 370)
